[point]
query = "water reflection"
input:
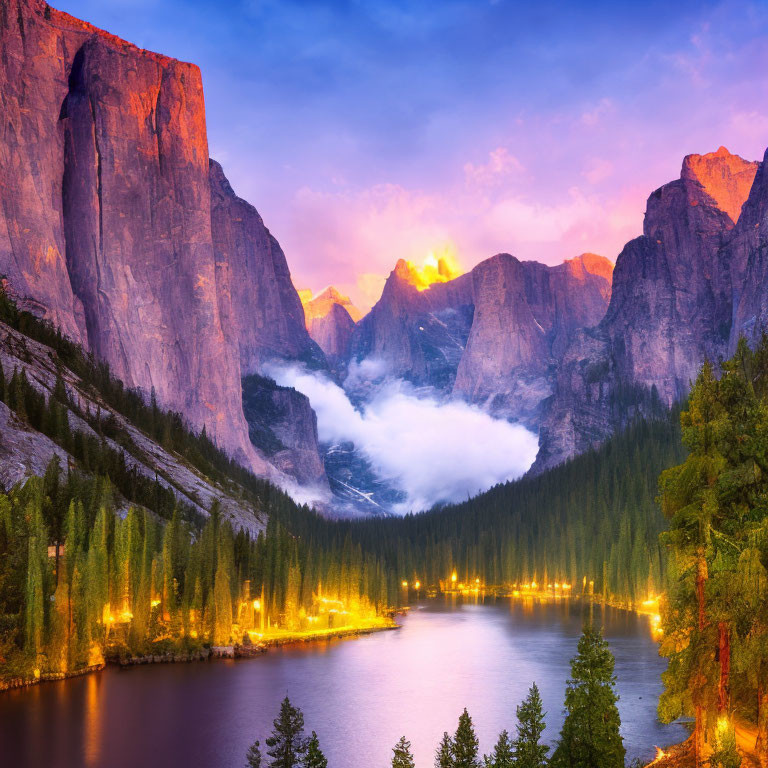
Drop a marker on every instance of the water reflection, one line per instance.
(360, 695)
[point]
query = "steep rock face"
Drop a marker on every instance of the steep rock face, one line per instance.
(525, 313)
(111, 235)
(284, 427)
(418, 335)
(35, 60)
(115, 226)
(25, 452)
(330, 318)
(674, 294)
(137, 225)
(258, 302)
(748, 255)
(726, 178)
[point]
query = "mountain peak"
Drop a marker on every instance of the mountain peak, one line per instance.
(725, 177)
(316, 307)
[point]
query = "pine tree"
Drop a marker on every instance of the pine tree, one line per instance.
(529, 753)
(401, 754)
(287, 744)
(503, 753)
(465, 744)
(253, 755)
(590, 736)
(444, 753)
(314, 757)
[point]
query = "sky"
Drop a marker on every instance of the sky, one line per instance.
(370, 130)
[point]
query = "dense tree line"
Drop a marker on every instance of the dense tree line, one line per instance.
(715, 615)
(593, 519)
(115, 586)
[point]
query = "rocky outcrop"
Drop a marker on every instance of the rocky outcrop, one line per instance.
(330, 318)
(258, 302)
(284, 427)
(676, 291)
(417, 335)
(525, 314)
(25, 452)
(747, 254)
(115, 226)
(490, 336)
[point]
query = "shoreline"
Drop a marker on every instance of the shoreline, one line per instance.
(204, 654)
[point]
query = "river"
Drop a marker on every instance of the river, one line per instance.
(360, 695)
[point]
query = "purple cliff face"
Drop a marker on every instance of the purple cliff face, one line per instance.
(116, 228)
(676, 292)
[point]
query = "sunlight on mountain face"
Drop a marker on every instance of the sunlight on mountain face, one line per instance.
(439, 266)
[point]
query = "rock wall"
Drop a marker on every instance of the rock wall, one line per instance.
(115, 226)
(682, 292)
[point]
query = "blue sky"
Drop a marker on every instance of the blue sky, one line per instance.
(369, 131)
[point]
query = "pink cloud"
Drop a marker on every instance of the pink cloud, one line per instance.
(500, 165)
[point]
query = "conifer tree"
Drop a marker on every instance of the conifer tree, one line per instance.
(590, 736)
(502, 755)
(528, 751)
(465, 744)
(287, 745)
(444, 753)
(253, 755)
(401, 754)
(314, 757)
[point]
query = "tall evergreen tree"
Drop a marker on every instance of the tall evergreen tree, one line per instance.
(465, 744)
(314, 757)
(253, 755)
(444, 752)
(529, 752)
(503, 753)
(590, 736)
(287, 745)
(401, 754)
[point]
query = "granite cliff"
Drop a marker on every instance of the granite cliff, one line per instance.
(490, 336)
(330, 318)
(116, 227)
(682, 293)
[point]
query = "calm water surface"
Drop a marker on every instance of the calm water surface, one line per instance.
(359, 695)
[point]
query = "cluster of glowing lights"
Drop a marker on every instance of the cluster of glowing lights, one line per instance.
(438, 267)
(660, 754)
(656, 624)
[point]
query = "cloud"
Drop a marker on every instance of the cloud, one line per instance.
(434, 451)
(501, 164)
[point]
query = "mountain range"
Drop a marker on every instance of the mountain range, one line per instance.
(117, 227)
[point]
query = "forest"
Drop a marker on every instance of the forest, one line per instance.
(592, 523)
(715, 608)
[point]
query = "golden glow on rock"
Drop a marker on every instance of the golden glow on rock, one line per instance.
(439, 266)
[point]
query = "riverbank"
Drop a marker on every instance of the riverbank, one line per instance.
(207, 653)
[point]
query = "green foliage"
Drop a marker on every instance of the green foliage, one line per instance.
(444, 752)
(314, 757)
(253, 755)
(401, 754)
(465, 744)
(528, 751)
(593, 518)
(725, 754)
(287, 746)
(590, 734)
(503, 753)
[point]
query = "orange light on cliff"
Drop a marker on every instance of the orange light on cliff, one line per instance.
(438, 267)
